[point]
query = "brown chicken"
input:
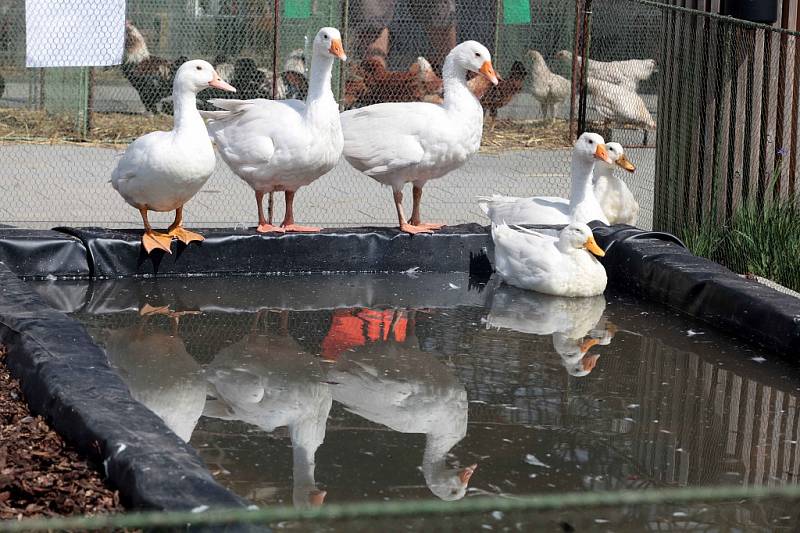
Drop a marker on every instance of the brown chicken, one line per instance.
(494, 97)
(151, 76)
(373, 83)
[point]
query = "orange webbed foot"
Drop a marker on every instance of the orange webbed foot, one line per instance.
(185, 236)
(296, 228)
(156, 241)
(269, 228)
(413, 230)
(430, 225)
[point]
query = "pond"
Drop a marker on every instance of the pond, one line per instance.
(343, 388)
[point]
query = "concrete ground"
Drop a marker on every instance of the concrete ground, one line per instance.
(42, 186)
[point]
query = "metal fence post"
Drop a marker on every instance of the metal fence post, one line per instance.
(587, 36)
(574, 77)
(276, 41)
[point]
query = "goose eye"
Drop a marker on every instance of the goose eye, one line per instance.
(591, 141)
(324, 35)
(198, 67)
(477, 54)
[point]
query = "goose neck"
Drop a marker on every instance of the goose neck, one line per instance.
(454, 80)
(582, 185)
(319, 86)
(437, 444)
(185, 115)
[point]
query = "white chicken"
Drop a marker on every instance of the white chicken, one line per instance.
(616, 103)
(548, 88)
(628, 73)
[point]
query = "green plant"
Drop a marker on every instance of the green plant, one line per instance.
(761, 239)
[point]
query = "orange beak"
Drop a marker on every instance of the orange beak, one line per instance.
(624, 163)
(589, 362)
(337, 49)
(602, 154)
(487, 71)
(466, 473)
(219, 83)
(585, 345)
(593, 247)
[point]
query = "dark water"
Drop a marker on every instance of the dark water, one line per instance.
(307, 389)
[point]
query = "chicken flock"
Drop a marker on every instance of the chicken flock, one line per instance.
(612, 85)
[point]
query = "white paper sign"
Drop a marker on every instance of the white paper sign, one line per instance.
(74, 33)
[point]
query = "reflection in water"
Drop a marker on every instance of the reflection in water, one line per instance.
(159, 371)
(422, 381)
(380, 374)
(267, 380)
(569, 320)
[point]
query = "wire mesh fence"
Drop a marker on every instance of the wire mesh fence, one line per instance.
(725, 90)
(727, 163)
(63, 129)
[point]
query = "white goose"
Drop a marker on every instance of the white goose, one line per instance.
(615, 198)
(399, 386)
(561, 266)
(282, 145)
(269, 381)
(568, 320)
(397, 143)
(582, 205)
(163, 170)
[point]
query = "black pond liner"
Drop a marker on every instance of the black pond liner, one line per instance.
(67, 378)
(118, 253)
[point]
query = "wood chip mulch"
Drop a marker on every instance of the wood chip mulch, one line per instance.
(39, 474)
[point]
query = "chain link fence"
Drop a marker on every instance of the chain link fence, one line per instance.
(726, 92)
(63, 129)
(727, 166)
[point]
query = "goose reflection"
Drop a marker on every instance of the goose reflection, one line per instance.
(576, 324)
(269, 381)
(158, 370)
(380, 374)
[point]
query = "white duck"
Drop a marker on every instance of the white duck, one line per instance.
(282, 145)
(163, 170)
(159, 372)
(269, 381)
(399, 386)
(561, 266)
(614, 196)
(396, 143)
(568, 320)
(548, 88)
(582, 205)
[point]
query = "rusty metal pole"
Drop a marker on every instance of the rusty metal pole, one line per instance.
(276, 41)
(574, 78)
(587, 36)
(345, 31)
(90, 102)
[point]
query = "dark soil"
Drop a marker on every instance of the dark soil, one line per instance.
(39, 474)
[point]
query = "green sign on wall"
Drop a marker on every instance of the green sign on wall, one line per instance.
(297, 9)
(516, 12)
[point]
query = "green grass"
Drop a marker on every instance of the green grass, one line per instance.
(758, 239)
